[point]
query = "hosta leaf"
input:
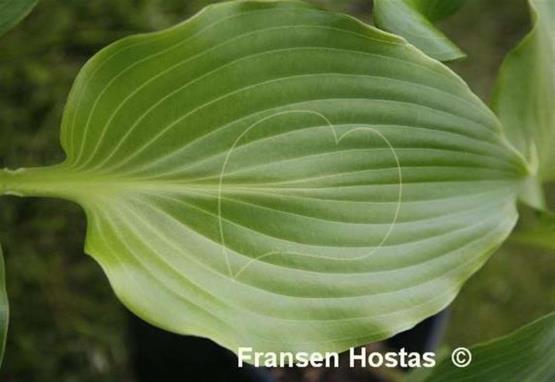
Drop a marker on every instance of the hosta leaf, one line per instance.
(413, 19)
(271, 175)
(524, 355)
(4, 308)
(525, 91)
(13, 11)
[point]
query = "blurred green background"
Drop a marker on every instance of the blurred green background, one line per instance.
(66, 324)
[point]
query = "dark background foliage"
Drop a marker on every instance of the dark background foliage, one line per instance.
(66, 324)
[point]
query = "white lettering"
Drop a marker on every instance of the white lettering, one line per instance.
(242, 356)
(353, 357)
(429, 359)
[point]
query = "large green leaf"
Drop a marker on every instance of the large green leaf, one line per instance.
(271, 175)
(413, 19)
(4, 308)
(524, 355)
(525, 91)
(13, 11)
